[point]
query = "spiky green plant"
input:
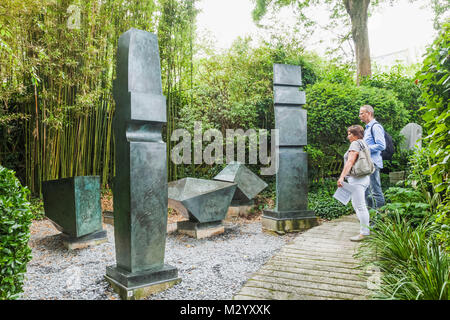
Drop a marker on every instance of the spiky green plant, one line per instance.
(412, 263)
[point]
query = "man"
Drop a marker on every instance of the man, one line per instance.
(376, 145)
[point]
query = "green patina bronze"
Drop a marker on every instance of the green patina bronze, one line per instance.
(291, 210)
(201, 200)
(140, 184)
(248, 183)
(73, 204)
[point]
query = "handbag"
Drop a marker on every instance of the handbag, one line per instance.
(364, 164)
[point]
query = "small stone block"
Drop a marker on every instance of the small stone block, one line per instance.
(397, 176)
(282, 226)
(200, 230)
(141, 292)
(108, 217)
(153, 275)
(294, 214)
(233, 212)
(72, 243)
(288, 96)
(243, 211)
(171, 227)
(135, 286)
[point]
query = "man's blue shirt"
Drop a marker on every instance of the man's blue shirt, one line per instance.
(376, 142)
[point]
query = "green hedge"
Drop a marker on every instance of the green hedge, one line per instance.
(333, 107)
(406, 89)
(15, 220)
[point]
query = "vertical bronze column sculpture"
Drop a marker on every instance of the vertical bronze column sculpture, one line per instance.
(291, 213)
(140, 185)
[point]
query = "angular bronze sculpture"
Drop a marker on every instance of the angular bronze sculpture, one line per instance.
(203, 202)
(248, 186)
(291, 213)
(248, 183)
(140, 184)
(73, 205)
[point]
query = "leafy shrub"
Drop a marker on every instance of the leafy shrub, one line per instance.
(327, 207)
(405, 88)
(409, 203)
(37, 208)
(15, 220)
(434, 79)
(320, 199)
(413, 265)
(332, 108)
(343, 74)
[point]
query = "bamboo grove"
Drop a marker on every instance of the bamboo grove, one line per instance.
(57, 61)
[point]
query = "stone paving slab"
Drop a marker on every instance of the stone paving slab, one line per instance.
(313, 266)
(310, 270)
(317, 256)
(318, 264)
(323, 262)
(305, 276)
(316, 251)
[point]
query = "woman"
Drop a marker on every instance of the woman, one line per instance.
(355, 135)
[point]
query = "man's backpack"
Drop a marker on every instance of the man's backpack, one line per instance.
(387, 153)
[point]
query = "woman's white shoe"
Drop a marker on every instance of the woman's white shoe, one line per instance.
(357, 238)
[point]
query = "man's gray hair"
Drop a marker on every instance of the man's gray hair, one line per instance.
(368, 108)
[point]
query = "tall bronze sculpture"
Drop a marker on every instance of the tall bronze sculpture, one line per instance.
(140, 184)
(291, 213)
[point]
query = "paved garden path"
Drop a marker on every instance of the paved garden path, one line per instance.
(318, 264)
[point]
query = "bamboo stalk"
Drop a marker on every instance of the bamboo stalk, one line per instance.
(84, 144)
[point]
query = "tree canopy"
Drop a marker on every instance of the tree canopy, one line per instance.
(353, 13)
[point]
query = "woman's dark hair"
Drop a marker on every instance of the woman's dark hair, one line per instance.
(357, 131)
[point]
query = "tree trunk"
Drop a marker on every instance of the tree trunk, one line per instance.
(357, 10)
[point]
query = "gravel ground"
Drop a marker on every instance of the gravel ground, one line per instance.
(213, 268)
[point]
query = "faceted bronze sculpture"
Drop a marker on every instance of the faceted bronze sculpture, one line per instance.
(140, 184)
(248, 183)
(73, 205)
(248, 186)
(291, 213)
(203, 202)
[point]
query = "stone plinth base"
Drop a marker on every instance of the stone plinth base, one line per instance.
(200, 230)
(139, 285)
(396, 176)
(108, 217)
(171, 227)
(293, 221)
(88, 240)
(236, 211)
